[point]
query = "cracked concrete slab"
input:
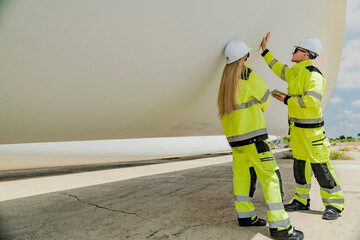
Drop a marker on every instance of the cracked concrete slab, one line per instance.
(190, 204)
(39, 185)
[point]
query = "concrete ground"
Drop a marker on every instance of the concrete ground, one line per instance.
(194, 202)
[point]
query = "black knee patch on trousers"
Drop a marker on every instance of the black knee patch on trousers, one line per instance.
(280, 182)
(262, 147)
(323, 175)
(252, 181)
(299, 171)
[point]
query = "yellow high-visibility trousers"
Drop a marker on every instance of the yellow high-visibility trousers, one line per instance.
(310, 149)
(249, 163)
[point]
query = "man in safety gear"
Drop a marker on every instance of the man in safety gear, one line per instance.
(310, 147)
(242, 98)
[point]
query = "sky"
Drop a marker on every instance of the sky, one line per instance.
(342, 114)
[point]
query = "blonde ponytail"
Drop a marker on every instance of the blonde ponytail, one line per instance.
(229, 84)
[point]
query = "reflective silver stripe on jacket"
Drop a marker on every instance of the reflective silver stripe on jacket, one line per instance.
(301, 101)
(331, 190)
(306, 121)
(242, 199)
(246, 104)
(314, 94)
(283, 72)
(275, 224)
(303, 196)
(332, 201)
(275, 206)
(266, 159)
(246, 214)
(247, 136)
(253, 101)
(265, 97)
(306, 186)
(273, 63)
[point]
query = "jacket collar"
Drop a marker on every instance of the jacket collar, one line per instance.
(303, 64)
(243, 75)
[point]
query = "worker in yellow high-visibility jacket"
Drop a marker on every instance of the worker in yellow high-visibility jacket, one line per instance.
(242, 98)
(310, 147)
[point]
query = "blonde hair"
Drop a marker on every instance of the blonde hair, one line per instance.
(229, 84)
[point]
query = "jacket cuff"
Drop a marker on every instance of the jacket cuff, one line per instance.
(286, 100)
(264, 52)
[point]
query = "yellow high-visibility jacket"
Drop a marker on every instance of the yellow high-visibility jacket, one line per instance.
(306, 86)
(247, 124)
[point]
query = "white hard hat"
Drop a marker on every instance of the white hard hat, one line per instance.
(235, 50)
(310, 43)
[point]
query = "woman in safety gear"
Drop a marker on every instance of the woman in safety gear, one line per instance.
(242, 98)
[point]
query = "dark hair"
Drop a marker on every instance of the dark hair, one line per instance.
(312, 55)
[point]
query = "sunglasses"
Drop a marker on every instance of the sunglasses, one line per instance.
(297, 49)
(247, 56)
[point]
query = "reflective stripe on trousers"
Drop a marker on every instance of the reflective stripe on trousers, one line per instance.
(246, 214)
(279, 224)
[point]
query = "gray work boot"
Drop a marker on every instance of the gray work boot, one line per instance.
(284, 234)
(247, 222)
(331, 213)
(295, 205)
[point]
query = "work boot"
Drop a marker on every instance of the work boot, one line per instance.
(284, 234)
(247, 222)
(331, 213)
(295, 205)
